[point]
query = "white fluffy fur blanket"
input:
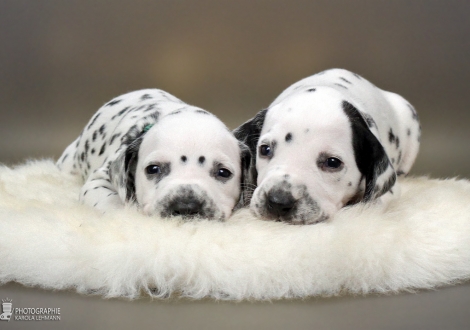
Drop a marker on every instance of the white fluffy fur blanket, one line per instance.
(48, 239)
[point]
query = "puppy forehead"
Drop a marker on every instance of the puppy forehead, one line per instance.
(308, 115)
(191, 134)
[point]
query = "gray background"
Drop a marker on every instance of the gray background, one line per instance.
(61, 60)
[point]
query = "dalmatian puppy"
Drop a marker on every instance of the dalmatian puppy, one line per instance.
(150, 148)
(328, 141)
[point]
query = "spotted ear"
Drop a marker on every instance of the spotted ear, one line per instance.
(122, 170)
(248, 133)
(371, 158)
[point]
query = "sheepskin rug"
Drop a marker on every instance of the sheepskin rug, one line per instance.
(47, 239)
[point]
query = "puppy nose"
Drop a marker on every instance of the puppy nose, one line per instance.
(280, 202)
(185, 207)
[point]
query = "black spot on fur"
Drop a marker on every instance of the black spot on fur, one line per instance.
(311, 90)
(82, 156)
(150, 107)
(103, 148)
(393, 139)
(357, 76)
(408, 132)
(369, 120)
(174, 112)
(202, 112)
(145, 97)
(87, 146)
(95, 134)
(122, 111)
(102, 128)
(92, 151)
(93, 120)
(345, 80)
(114, 137)
(340, 85)
(201, 160)
(289, 137)
(184, 159)
(112, 103)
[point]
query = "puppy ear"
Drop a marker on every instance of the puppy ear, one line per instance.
(247, 185)
(122, 170)
(371, 158)
(248, 133)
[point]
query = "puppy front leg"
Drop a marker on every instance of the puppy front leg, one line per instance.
(99, 192)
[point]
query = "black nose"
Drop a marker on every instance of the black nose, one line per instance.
(187, 207)
(280, 202)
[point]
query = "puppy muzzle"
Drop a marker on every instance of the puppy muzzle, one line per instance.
(287, 202)
(188, 201)
(280, 203)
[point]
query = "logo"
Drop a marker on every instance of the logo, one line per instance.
(28, 313)
(6, 308)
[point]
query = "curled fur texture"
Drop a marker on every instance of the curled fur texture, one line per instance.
(47, 239)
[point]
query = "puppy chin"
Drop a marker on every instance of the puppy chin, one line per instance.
(303, 216)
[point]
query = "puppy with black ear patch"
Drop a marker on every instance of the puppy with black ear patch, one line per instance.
(150, 148)
(327, 141)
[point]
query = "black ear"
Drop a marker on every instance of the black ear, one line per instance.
(122, 170)
(247, 185)
(248, 133)
(371, 158)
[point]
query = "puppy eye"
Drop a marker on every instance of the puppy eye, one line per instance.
(153, 169)
(265, 150)
(333, 164)
(224, 173)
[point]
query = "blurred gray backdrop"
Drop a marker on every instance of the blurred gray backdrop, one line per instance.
(61, 60)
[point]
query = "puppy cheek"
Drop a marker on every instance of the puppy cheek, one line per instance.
(148, 200)
(225, 207)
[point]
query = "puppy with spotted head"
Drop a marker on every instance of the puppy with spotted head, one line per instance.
(328, 141)
(149, 148)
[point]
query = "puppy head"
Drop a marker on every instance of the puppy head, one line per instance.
(314, 155)
(187, 164)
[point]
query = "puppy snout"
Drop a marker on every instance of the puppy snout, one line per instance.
(186, 207)
(280, 202)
